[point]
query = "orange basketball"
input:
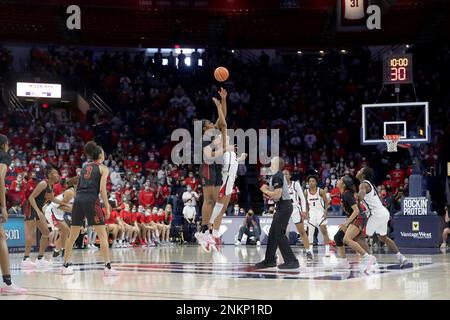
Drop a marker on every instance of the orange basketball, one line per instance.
(221, 74)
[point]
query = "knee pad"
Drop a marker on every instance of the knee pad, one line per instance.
(339, 238)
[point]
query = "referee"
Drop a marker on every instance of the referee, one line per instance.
(279, 192)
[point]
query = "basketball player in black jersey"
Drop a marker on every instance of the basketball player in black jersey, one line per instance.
(211, 175)
(35, 218)
(351, 232)
(5, 160)
(92, 182)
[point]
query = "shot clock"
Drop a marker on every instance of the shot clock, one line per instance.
(397, 69)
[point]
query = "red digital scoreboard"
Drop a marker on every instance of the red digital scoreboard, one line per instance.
(398, 69)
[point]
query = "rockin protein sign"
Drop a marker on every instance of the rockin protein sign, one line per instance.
(415, 206)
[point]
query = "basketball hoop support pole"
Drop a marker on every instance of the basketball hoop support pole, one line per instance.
(397, 92)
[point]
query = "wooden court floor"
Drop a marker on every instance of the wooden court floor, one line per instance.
(186, 272)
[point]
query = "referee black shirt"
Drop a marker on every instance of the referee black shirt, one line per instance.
(279, 181)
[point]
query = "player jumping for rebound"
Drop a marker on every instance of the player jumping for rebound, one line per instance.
(299, 213)
(229, 171)
(377, 214)
(211, 176)
(318, 204)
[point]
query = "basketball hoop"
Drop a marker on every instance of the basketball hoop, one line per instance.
(391, 141)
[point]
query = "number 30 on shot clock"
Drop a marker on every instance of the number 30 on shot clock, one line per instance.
(397, 69)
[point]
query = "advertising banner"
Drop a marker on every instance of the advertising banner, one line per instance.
(418, 231)
(15, 232)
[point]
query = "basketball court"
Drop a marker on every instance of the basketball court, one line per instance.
(146, 126)
(186, 272)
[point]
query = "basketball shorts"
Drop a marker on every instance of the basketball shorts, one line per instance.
(50, 219)
(296, 215)
(360, 221)
(29, 212)
(316, 218)
(211, 175)
(377, 223)
(87, 207)
(227, 185)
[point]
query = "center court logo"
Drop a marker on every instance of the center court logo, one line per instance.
(189, 149)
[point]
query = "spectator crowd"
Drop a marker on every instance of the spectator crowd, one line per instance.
(317, 113)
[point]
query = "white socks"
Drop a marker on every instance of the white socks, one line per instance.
(399, 256)
(311, 230)
(215, 233)
(216, 212)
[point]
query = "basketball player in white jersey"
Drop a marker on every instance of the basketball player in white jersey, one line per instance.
(229, 173)
(299, 212)
(377, 214)
(317, 204)
(57, 212)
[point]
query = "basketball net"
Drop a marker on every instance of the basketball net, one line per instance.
(391, 141)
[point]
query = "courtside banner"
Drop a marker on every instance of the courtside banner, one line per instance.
(15, 232)
(418, 231)
(415, 206)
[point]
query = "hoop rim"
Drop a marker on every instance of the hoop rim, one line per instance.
(392, 137)
(391, 141)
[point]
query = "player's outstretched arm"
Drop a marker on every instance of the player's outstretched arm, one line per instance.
(242, 157)
(222, 124)
(223, 101)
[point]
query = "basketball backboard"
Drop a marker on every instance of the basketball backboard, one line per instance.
(407, 119)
